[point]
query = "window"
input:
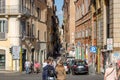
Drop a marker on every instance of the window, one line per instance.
(28, 29)
(86, 32)
(3, 26)
(3, 29)
(38, 35)
(83, 12)
(2, 6)
(95, 30)
(87, 5)
(45, 36)
(38, 13)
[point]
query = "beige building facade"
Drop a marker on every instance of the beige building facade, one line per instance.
(83, 28)
(22, 27)
(105, 35)
(69, 23)
(114, 27)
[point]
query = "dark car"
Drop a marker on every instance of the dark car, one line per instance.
(79, 66)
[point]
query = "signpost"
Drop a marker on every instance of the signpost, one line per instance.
(93, 49)
(16, 56)
(109, 44)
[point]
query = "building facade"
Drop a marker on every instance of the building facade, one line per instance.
(52, 31)
(83, 28)
(105, 26)
(69, 23)
(23, 29)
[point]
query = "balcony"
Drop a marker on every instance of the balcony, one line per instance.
(2, 35)
(14, 10)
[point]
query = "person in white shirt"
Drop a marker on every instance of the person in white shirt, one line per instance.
(27, 66)
(54, 64)
(45, 63)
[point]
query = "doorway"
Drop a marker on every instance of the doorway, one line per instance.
(2, 61)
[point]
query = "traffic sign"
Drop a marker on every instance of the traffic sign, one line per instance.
(93, 49)
(109, 44)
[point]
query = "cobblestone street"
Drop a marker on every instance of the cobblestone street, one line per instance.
(23, 76)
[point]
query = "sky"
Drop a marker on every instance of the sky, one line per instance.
(59, 4)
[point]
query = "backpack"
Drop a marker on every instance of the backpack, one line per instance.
(50, 71)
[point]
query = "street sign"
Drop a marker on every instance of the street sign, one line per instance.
(93, 49)
(78, 43)
(109, 44)
(16, 52)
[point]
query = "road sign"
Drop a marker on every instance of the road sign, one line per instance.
(78, 43)
(109, 44)
(93, 49)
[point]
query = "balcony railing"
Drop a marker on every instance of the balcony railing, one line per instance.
(14, 9)
(2, 36)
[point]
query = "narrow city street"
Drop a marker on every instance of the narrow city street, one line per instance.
(59, 37)
(23, 76)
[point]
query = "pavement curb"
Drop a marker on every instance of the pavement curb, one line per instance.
(9, 72)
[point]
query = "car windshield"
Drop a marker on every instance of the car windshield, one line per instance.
(80, 63)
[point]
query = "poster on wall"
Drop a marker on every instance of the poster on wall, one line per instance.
(16, 52)
(115, 56)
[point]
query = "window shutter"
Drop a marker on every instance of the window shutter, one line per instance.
(34, 30)
(6, 26)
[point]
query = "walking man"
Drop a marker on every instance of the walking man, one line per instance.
(27, 66)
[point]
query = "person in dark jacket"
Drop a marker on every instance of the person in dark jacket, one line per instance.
(45, 74)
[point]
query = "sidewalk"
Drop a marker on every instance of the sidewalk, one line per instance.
(7, 71)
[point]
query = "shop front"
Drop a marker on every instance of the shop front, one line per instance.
(2, 59)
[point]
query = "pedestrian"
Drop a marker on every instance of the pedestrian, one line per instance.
(48, 71)
(45, 63)
(37, 67)
(27, 66)
(110, 73)
(118, 73)
(118, 69)
(54, 63)
(31, 67)
(60, 71)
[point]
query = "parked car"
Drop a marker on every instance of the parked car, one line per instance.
(67, 67)
(79, 66)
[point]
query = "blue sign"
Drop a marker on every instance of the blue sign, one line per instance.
(78, 44)
(93, 49)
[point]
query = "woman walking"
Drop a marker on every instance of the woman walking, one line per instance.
(60, 70)
(110, 73)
